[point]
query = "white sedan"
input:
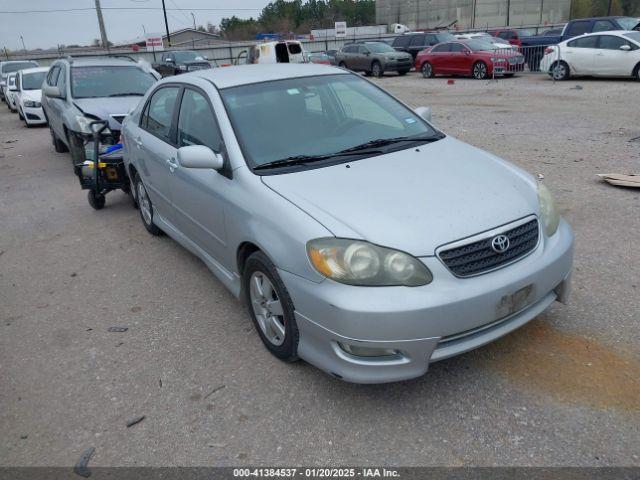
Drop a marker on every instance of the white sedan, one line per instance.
(29, 94)
(602, 54)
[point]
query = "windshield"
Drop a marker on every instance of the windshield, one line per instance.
(380, 47)
(480, 45)
(316, 116)
(628, 23)
(188, 57)
(633, 36)
(92, 82)
(14, 67)
(33, 81)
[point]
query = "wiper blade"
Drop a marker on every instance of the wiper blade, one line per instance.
(381, 142)
(304, 159)
(127, 94)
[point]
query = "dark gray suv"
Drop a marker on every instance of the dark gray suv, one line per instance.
(373, 58)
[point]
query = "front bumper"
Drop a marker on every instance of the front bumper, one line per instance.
(398, 66)
(448, 317)
(34, 116)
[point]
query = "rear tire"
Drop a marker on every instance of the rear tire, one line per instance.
(479, 70)
(560, 71)
(342, 65)
(58, 145)
(270, 307)
(636, 75)
(427, 70)
(146, 207)
(402, 73)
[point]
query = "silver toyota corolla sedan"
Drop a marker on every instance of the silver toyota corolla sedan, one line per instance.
(363, 239)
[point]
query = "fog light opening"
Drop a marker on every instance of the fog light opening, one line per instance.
(361, 351)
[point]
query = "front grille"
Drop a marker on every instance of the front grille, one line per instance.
(479, 257)
(198, 66)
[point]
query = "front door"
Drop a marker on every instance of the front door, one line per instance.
(580, 54)
(610, 60)
(154, 146)
(198, 194)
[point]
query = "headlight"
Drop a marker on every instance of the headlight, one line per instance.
(497, 60)
(32, 104)
(84, 125)
(548, 210)
(182, 67)
(356, 262)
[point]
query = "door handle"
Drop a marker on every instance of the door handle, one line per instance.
(138, 142)
(173, 164)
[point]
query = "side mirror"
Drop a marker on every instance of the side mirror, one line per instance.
(199, 156)
(424, 113)
(625, 48)
(170, 60)
(13, 88)
(52, 92)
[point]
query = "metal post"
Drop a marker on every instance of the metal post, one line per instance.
(473, 14)
(23, 47)
(103, 32)
(6, 54)
(541, 10)
(166, 23)
(609, 9)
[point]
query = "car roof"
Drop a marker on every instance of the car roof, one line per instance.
(226, 77)
(34, 70)
(17, 61)
(100, 62)
(606, 32)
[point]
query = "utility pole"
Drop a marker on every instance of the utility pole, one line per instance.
(166, 23)
(23, 47)
(473, 14)
(541, 10)
(103, 32)
(193, 39)
(609, 9)
(508, 12)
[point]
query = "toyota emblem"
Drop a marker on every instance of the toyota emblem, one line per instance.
(500, 243)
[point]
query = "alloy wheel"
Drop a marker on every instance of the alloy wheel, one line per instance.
(427, 70)
(479, 70)
(145, 204)
(267, 308)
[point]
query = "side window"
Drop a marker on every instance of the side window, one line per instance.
(609, 42)
(585, 42)
(457, 48)
(362, 49)
(61, 78)
(402, 41)
(578, 28)
(443, 47)
(196, 123)
(603, 26)
(417, 40)
(158, 114)
(18, 81)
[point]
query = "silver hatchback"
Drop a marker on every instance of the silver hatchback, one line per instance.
(363, 240)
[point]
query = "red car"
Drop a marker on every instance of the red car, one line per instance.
(474, 58)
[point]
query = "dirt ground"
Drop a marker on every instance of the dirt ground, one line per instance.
(563, 390)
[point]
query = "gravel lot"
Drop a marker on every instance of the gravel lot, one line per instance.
(564, 390)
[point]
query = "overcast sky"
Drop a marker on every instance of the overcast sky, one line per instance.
(46, 30)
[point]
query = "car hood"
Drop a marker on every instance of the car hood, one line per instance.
(103, 108)
(413, 200)
(33, 95)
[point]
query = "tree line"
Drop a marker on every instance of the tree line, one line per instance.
(298, 16)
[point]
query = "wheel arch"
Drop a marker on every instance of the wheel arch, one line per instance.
(636, 69)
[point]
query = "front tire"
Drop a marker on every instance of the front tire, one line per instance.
(96, 200)
(270, 307)
(479, 70)
(376, 70)
(427, 70)
(146, 207)
(402, 73)
(342, 65)
(58, 145)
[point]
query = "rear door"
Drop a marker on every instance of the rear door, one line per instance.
(580, 54)
(440, 58)
(198, 194)
(610, 60)
(154, 146)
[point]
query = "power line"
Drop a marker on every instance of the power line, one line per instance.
(84, 9)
